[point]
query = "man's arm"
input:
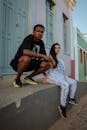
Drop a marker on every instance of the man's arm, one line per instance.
(33, 54)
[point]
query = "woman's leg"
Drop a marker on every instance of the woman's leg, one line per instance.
(64, 93)
(63, 98)
(73, 87)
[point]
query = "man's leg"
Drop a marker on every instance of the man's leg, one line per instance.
(43, 67)
(23, 63)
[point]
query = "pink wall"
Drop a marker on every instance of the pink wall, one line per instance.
(73, 69)
(67, 62)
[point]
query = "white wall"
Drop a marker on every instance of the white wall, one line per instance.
(60, 8)
(76, 53)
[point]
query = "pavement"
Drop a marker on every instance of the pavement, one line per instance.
(9, 94)
(28, 107)
(75, 121)
(84, 80)
(32, 107)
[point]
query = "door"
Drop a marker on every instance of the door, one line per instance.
(13, 30)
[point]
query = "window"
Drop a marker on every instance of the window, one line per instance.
(84, 63)
(65, 31)
(49, 22)
(81, 56)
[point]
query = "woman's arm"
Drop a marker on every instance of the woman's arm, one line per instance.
(53, 63)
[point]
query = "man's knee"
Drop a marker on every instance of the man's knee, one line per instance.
(24, 60)
(45, 65)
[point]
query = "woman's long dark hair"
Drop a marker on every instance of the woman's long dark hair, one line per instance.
(53, 54)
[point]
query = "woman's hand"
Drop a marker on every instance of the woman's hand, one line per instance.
(53, 63)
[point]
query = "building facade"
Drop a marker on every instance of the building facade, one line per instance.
(18, 18)
(80, 54)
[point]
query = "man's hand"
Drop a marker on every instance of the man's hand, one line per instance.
(46, 58)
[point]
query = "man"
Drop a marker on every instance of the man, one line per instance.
(31, 55)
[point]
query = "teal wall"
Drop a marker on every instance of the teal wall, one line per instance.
(13, 29)
(82, 45)
(82, 42)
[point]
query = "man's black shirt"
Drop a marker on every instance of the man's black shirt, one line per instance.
(30, 44)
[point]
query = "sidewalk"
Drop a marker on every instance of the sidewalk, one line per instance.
(75, 121)
(32, 107)
(83, 80)
(9, 94)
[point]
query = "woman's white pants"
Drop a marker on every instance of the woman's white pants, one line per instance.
(66, 85)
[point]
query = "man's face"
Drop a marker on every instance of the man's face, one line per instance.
(38, 33)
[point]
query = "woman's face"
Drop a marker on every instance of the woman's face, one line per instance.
(57, 49)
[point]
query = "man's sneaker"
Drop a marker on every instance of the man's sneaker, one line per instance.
(72, 101)
(62, 111)
(17, 83)
(30, 80)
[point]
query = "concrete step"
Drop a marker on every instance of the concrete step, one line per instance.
(31, 107)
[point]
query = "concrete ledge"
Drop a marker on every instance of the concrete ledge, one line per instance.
(9, 94)
(30, 107)
(33, 112)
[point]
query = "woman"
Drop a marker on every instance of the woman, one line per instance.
(56, 75)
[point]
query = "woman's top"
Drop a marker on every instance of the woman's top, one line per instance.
(57, 74)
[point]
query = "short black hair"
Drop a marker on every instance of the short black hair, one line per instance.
(38, 25)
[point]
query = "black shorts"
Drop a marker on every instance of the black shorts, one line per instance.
(34, 65)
